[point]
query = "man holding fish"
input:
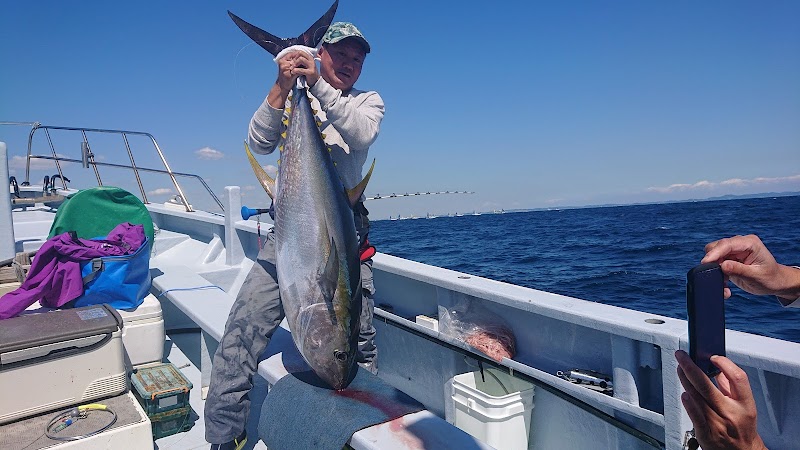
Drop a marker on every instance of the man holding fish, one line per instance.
(349, 121)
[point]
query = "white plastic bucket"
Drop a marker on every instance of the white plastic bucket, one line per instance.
(494, 408)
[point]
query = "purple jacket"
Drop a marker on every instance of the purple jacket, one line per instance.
(55, 274)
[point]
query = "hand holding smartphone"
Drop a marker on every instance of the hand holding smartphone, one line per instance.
(705, 305)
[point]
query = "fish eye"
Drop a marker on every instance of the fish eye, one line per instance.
(339, 355)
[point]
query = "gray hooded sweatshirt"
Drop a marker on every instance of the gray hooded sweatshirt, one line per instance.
(350, 122)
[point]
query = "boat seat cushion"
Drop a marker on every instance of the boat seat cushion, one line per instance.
(300, 411)
(422, 427)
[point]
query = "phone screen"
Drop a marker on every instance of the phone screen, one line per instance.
(706, 309)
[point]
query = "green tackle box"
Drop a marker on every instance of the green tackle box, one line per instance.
(171, 422)
(161, 388)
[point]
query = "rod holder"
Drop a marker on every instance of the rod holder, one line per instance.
(249, 212)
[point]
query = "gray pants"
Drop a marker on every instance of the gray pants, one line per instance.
(254, 317)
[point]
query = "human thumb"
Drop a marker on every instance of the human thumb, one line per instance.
(734, 268)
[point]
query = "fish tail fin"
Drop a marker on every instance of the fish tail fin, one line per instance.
(315, 32)
(275, 44)
(353, 195)
(267, 182)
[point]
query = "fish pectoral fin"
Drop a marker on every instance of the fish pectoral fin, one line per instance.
(329, 277)
(267, 182)
(354, 194)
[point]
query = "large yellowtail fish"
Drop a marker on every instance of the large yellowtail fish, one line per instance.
(318, 265)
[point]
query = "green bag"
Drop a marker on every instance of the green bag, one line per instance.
(96, 211)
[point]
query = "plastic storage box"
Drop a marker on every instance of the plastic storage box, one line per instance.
(494, 408)
(160, 388)
(170, 422)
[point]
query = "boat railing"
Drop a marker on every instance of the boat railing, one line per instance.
(88, 159)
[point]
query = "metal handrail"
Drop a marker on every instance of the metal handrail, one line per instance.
(90, 160)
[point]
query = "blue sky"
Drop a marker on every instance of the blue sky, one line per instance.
(529, 104)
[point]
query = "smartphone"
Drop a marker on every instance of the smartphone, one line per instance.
(705, 305)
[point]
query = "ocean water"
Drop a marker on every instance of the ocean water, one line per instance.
(630, 256)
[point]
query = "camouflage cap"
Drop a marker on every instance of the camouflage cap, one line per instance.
(343, 30)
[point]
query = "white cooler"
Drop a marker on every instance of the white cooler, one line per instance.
(143, 333)
(58, 359)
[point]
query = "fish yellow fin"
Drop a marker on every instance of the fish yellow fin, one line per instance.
(283, 135)
(266, 181)
(353, 195)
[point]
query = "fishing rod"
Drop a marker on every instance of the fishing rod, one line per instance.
(412, 194)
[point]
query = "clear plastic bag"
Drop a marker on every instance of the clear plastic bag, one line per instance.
(469, 321)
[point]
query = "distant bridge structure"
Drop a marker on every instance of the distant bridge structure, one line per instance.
(412, 194)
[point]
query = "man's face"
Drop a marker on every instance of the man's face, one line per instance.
(340, 63)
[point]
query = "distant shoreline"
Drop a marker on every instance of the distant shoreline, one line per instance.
(665, 202)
